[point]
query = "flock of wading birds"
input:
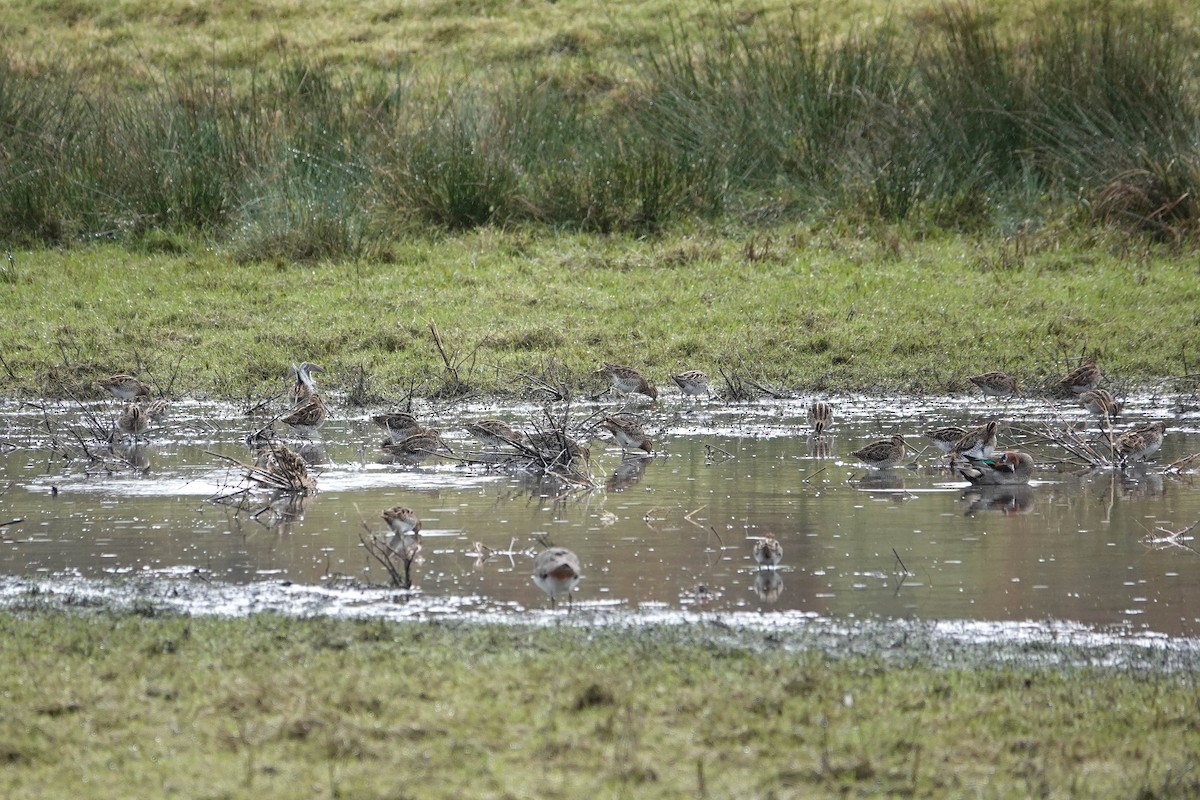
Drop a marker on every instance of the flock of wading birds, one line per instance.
(971, 452)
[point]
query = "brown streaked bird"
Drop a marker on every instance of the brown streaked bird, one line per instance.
(1100, 403)
(945, 438)
(555, 447)
(1083, 378)
(996, 384)
(406, 530)
(627, 433)
(417, 447)
(402, 519)
(1010, 468)
(768, 552)
(398, 424)
(124, 387)
(820, 416)
(692, 383)
(883, 453)
(308, 418)
(556, 571)
(133, 420)
(627, 380)
(1137, 443)
(285, 469)
(976, 443)
(157, 410)
(495, 433)
(304, 387)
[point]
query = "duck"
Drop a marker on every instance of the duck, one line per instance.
(1010, 468)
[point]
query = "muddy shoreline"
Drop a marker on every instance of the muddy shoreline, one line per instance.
(898, 642)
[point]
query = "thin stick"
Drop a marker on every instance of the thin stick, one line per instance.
(809, 475)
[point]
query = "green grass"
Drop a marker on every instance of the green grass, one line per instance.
(892, 197)
(948, 114)
(796, 307)
(104, 704)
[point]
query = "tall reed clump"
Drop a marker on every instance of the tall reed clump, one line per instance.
(953, 127)
(947, 117)
(531, 151)
(1116, 118)
(41, 124)
(306, 199)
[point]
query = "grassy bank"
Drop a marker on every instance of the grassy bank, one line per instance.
(117, 705)
(815, 309)
(892, 197)
(952, 115)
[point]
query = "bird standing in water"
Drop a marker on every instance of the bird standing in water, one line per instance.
(556, 571)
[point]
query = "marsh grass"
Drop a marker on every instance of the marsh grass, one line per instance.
(946, 116)
(143, 702)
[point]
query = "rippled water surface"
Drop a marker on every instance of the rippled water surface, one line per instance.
(674, 531)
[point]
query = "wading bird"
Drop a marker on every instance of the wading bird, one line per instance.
(556, 571)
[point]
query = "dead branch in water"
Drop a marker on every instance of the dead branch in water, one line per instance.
(1185, 464)
(1083, 452)
(1170, 538)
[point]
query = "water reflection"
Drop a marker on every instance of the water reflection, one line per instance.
(768, 585)
(671, 530)
(628, 472)
(1003, 499)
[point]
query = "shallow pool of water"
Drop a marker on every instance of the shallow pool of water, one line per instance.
(671, 532)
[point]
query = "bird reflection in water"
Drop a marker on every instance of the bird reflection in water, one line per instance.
(1008, 500)
(820, 446)
(134, 455)
(768, 585)
(628, 472)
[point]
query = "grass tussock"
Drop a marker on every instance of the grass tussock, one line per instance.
(256, 707)
(946, 116)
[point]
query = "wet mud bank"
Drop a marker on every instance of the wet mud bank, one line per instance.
(897, 642)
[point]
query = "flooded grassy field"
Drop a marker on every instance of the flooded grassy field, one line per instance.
(664, 534)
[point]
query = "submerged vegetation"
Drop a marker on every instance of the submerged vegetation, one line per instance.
(115, 704)
(944, 117)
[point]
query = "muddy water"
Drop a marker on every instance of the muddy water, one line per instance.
(665, 533)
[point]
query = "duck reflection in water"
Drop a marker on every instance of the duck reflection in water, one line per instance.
(1009, 500)
(768, 585)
